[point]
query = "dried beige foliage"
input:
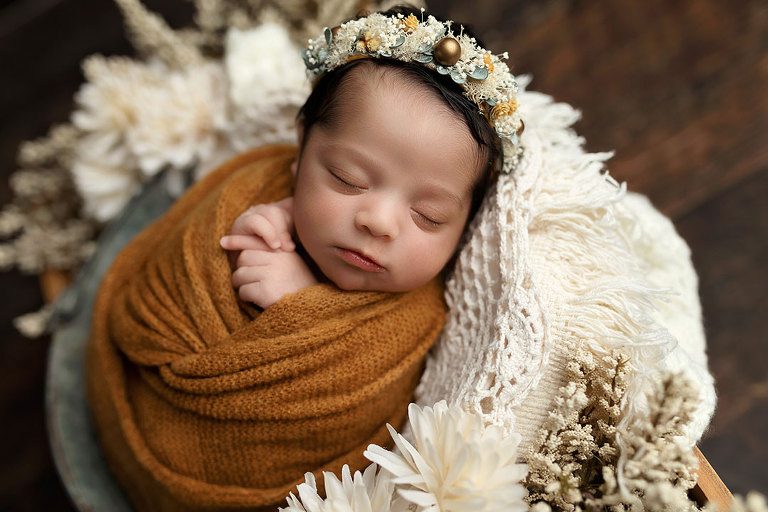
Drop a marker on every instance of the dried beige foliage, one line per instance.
(587, 460)
(152, 36)
(41, 227)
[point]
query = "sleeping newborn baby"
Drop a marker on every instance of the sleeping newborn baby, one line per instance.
(385, 181)
(202, 401)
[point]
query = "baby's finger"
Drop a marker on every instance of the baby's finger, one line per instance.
(250, 292)
(286, 242)
(261, 226)
(243, 242)
(246, 275)
(254, 258)
(278, 217)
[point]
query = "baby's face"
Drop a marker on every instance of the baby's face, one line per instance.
(381, 199)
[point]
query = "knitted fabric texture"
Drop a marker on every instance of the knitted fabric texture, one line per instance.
(203, 402)
(559, 256)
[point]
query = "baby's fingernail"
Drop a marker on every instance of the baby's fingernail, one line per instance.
(223, 242)
(274, 244)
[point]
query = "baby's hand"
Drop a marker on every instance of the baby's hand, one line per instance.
(264, 276)
(269, 224)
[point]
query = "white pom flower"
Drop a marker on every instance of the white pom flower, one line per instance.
(366, 492)
(457, 463)
(264, 68)
(267, 85)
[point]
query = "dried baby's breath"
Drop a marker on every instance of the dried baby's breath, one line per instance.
(585, 460)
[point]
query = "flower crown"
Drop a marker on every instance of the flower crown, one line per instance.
(484, 77)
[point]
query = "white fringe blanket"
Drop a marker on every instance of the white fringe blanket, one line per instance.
(561, 255)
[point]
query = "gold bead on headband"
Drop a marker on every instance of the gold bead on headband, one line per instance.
(447, 51)
(483, 76)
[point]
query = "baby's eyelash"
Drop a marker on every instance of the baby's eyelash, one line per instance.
(343, 181)
(430, 222)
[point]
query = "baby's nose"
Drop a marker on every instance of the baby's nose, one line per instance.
(378, 219)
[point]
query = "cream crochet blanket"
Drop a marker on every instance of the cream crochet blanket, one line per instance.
(560, 255)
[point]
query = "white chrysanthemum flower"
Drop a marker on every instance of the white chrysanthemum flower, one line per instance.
(105, 190)
(178, 123)
(139, 118)
(267, 85)
(366, 492)
(457, 463)
(107, 106)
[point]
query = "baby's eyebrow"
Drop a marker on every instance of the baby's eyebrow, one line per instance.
(355, 154)
(438, 192)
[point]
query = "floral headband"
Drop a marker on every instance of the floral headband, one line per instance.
(484, 77)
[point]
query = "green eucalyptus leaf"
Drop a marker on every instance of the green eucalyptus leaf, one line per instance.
(458, 77)
(306, 56)
(479, 73)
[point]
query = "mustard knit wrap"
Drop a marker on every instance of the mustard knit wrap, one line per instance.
(203, 402)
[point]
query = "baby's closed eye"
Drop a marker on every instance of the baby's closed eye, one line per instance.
(346, 180)
(427, 220)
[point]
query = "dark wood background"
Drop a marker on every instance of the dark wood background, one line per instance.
(678, 89)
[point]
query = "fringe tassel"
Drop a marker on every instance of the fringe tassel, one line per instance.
(609, 303)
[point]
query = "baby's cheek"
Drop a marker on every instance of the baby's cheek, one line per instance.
(305, 212)
(314, 206)
(427, 257)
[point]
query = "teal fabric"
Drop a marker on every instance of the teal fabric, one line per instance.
(76, 453)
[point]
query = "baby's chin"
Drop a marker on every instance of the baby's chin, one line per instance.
(359, 281)
(352, 281)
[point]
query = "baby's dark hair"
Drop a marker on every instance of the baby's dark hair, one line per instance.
(321, 108)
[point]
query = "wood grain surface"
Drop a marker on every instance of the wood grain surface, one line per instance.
(677, 89)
